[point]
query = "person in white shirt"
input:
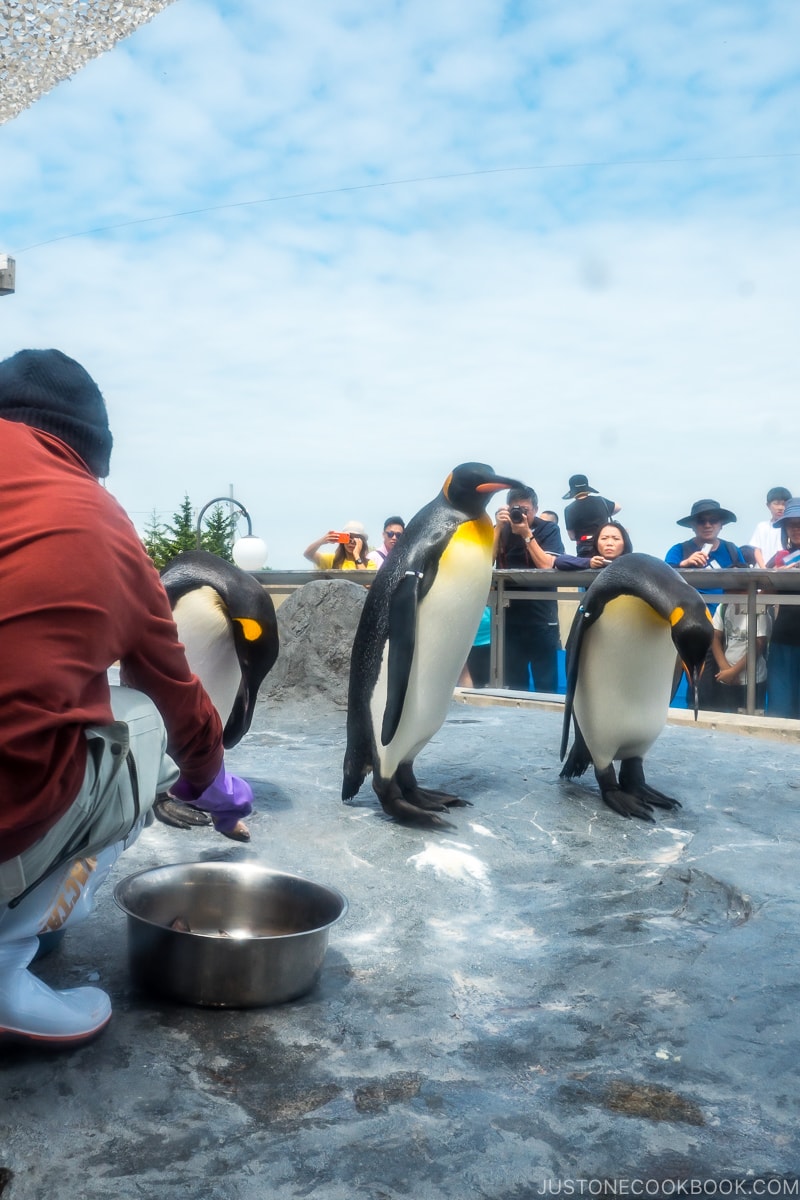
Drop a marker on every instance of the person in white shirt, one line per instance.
(766, 539)
(730, 654)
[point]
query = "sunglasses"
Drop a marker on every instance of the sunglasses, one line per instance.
(391, 533)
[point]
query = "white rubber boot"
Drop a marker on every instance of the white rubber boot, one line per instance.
(31, 1011)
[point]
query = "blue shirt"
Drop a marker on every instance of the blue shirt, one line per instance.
(721, 556)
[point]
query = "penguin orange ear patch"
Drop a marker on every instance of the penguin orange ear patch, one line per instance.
(676, 615)
(250, 628)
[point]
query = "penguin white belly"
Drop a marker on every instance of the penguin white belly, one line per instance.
(204, 627)
(627, 664)
(447, 620)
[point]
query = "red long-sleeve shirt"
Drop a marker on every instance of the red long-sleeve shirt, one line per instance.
(77, 594)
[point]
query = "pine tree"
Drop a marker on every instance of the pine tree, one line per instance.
(182, 531)
(156, 542)
(218, 532)
(163, 542)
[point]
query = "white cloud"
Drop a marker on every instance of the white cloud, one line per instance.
(334, 356)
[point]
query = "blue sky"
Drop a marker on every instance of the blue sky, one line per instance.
(554, 237)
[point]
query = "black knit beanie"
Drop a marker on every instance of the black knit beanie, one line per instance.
(50, 391)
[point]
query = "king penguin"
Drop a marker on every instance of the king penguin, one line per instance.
(622, 670)
(227, 624)
(417, 625)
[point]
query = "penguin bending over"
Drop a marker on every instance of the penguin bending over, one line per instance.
(226, 622)
(416, 629)
(622, 672)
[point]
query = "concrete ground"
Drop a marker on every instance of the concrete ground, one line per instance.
(542, 995)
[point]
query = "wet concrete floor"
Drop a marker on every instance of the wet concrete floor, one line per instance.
(544, 994)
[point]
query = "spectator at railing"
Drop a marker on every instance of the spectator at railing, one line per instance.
(706, 549)
(476, 670)
(730, 654)
(611, 541)
(586, 514)
(351, 551)
(531, 626)
(783, 679)
(393, 529)
(766, 539)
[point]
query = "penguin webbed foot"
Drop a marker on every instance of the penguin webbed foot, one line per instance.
(179, 814)
(632, 781)
(626, 805)
(430, 798)
(618, 797)
(427, 799)
(397, 805)
(401, 810)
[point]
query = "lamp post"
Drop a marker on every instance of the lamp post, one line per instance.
(7, 275)
(249, 552)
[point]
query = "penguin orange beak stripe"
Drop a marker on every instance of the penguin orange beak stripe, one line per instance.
(250, 628)
(491, 487)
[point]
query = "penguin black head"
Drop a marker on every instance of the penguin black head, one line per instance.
(469, 486)
(692, 635)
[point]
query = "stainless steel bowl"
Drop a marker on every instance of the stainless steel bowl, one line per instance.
(228, 935)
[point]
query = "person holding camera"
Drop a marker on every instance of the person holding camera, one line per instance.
(347, 550)
(531, 626)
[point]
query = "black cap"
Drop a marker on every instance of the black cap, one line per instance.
(577, 485)
(48, 390)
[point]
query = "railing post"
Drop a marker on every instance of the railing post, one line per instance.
(497, 651)
(752, 643)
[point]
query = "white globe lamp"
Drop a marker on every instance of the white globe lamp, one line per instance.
(250, 553)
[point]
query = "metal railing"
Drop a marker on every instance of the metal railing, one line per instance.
(756, 588)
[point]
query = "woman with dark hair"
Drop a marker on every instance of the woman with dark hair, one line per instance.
(611, 541)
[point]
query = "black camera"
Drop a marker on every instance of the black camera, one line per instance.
(517, 514)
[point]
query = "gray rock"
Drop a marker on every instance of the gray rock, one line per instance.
(316, 626)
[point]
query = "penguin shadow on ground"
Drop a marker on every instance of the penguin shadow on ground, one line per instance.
(271, 798)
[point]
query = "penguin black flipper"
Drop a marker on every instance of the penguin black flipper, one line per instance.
(420, 568)
(402, 639)
(390, 608)
(578, 760)
(587, 613)
(573, 653)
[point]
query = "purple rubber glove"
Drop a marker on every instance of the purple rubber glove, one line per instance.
(227, 799)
